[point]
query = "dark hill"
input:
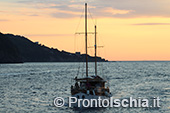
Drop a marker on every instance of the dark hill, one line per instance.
(19, 48)
(9, 53)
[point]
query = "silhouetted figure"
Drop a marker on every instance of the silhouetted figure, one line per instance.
(77, 85)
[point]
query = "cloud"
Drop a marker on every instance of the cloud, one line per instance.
(3, 20)
(116, 11)
(33, 15)
(45, 35)
(105, 8)
(152, 24)
(79, 6)
(2, 11)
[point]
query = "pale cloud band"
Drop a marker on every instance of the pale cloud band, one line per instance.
(4, 20)
(47, 35)
(152, 24)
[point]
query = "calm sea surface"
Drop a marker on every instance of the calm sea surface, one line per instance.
(31, 87)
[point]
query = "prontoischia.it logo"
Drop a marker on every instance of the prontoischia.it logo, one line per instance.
(109, 102)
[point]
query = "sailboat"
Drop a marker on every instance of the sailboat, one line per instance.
(90, 87)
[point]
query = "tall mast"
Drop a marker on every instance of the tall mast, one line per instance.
(95, 46)
(86, 39)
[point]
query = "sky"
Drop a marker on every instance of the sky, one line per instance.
(128, 30)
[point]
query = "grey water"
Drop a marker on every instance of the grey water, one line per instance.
(32, 87)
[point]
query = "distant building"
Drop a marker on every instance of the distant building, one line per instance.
(77, 53)
(36, 42)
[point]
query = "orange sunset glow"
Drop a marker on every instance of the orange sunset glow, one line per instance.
(128, 30)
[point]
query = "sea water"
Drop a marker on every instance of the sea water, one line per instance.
(32, 87)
